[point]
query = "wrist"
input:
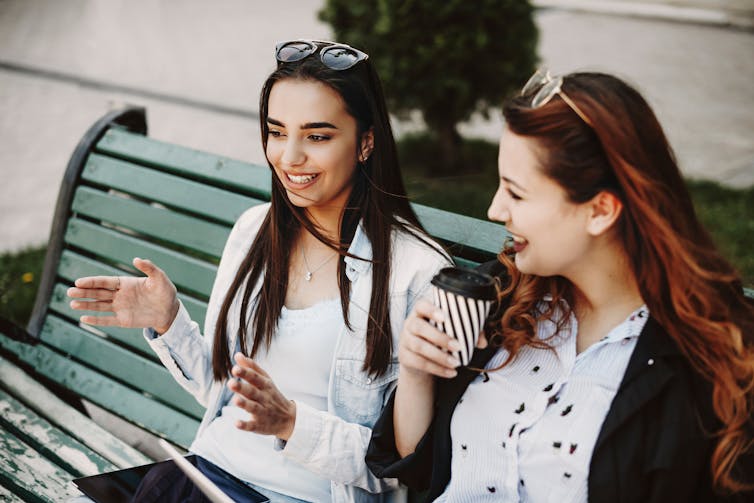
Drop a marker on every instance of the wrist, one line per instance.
(290, 423)
(414, 381)
(170, 318)
(414, 376)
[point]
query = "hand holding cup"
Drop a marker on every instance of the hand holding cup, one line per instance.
(424, 350)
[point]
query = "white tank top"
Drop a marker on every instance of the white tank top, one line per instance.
(299, 362)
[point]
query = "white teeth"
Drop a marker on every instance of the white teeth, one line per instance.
(302, 178)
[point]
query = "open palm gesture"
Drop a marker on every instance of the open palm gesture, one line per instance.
(142, 302)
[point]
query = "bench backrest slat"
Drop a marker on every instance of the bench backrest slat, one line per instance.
(187, 272)
(153, 221)
(209, 168)
(171, 190)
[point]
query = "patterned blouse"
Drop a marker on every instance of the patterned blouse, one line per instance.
(527, 432)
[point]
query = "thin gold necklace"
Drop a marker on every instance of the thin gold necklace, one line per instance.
(309, 271)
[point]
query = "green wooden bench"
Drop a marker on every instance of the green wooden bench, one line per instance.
(126, 195)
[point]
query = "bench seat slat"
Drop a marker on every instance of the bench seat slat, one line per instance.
(159, 223)
(253, 180)
(109, 359)
(64, 450)
(194, 197)
(38, 398)
(8, 497)
(30, 474)
(118, 398)
(187, 272)
(73, 266)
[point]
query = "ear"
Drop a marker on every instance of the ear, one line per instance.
(604, 209)
(367, 145)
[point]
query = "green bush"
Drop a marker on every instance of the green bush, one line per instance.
(447, 59)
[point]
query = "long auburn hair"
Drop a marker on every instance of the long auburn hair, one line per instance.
(378, 200)
(689, 288)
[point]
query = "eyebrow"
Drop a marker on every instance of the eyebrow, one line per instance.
(508, 180)
(308, 125)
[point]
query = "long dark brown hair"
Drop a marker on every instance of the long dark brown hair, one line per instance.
(689, 288)
(378, 200)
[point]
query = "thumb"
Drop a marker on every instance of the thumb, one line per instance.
(147, 267)
(481, 343)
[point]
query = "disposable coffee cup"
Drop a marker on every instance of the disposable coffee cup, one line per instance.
(465, 297)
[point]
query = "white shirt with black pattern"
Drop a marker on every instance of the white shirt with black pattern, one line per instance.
(527, 432)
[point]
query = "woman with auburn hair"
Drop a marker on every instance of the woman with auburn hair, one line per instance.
(298, 354)
(618, 365)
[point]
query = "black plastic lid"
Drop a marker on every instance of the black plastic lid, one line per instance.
(466, 282)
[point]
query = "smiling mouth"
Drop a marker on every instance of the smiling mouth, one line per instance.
(519, 243)
(301, 179)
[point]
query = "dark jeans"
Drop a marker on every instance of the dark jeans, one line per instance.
(166, 483)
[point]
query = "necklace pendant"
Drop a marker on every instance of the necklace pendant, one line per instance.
(308, 276)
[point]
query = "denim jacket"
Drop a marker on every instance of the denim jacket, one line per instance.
(331, 444)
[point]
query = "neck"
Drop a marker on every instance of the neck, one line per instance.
(605, 291)
(327, 223)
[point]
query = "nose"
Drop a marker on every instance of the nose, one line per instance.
(498, 210)
(293, 154)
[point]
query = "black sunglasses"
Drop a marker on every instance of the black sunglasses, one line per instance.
(334, 56)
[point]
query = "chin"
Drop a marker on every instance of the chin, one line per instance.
(297, 200)
(525, 266)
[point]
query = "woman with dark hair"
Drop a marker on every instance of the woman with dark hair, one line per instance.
(310, 293)
(619, 363)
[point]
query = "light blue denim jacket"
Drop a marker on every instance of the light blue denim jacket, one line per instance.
(331, 444)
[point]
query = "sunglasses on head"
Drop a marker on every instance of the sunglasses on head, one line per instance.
(333, 55)
(549, 86)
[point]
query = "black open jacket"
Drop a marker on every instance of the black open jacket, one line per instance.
(654, 446)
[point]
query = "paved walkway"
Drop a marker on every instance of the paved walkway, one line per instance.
(198, 66)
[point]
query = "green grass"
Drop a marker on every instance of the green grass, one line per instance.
(727, 213)
(19, 279)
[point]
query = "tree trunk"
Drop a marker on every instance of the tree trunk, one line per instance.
(448, 160)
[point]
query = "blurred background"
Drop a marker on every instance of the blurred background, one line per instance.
(197, 66)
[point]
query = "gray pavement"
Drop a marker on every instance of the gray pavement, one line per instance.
(198, 66)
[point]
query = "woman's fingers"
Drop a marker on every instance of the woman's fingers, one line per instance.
(147, 267)
(91, 305)
(102, 282)
(417, 362)
(426, 349)
(245, 389)
(102, 321)
(425, 309)
(419, 328)
(432, 353)
(248, 363)
(91, 293)
(253, 378)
